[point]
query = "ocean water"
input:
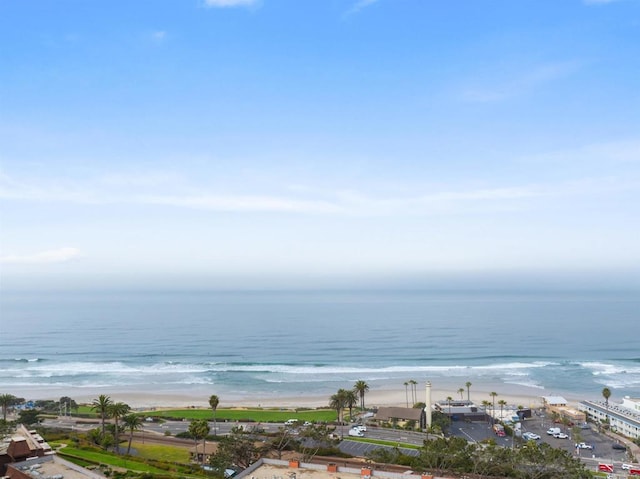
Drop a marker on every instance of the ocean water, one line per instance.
(265, 344)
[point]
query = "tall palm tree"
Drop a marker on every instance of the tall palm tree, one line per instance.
(338, 402)
(6, 401)
(406, 392)
(361, 387)
(213, 403)
(468, 385)
(449, 399)
(493, 394)
(199, 429)
(116, 411)
(101, 406)
(414, 392)
(132, 422)
(461, 391)
(606, 394)
(502, 403)
(351, 399)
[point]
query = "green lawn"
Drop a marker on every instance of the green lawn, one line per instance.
(257, 415)
(98, 457)
(160, 452)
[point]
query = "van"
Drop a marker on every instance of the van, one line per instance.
(553, 430)
(356, 432)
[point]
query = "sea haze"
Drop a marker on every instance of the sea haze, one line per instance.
(309, 343)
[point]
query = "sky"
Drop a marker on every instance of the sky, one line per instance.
(319, 143)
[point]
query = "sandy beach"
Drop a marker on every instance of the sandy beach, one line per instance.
(377, 396)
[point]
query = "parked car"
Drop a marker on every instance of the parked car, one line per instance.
(530, 436)
(583, 445)
(291, 422)
(356, 432)
(618, 446)
(627, 467)
(561, 435)
(553, 430)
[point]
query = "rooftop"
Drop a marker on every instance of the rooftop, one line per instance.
(51, 467)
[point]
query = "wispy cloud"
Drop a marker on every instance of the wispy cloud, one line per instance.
(516, 84)
(230, 3)
(359, 5)
(158, 36)
(415, 199)
(598, 2)
(61, 255)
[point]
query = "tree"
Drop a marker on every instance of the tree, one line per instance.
(461, 391)
(449, 399)
(338, 401)
(213, 404)
(606, 394)
(199, 429)
(493, 394)
(414, 392)
(6, 401)
(361, 387)
(468, 385)
(68, 404)
(116, 411)
(101, 405)
(502, 403)
(132, 422)
(350, 399)
(406, 391)
(235, 448)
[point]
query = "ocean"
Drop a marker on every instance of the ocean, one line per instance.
(297, 344)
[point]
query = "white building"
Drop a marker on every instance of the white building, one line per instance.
(623, 418)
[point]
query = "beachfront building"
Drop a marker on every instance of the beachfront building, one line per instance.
(49, 467)
(23, 444)
(558, 405)
(402, 416)
(293, 469)
(461, 409)
(623, 418)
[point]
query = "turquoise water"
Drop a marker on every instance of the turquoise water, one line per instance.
(310, 343)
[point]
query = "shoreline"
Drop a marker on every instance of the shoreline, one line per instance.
(197, 397)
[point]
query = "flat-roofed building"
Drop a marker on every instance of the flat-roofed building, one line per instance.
(623, 418)
(52, 467)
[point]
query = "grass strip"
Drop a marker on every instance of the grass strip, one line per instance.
(254, 415)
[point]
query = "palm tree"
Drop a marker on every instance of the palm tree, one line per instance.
(361, 387)
(132, 422)
(493, 394)
(213, 403)
(461, 391)
(468, 384)
(406, 392)
(116, 411)
(486, 405)
(101, 406)
(502, 404)
(351, 399)
(199, 429)
(338, 402)
(449, 399)
(606, 394)
(414, 392)
(6, 401)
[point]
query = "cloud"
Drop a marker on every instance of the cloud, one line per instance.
(229, 3)
(61, 255)
(598, 2)
(158, 36)
(359, 5)
(513, 85)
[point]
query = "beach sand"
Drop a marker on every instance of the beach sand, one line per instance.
(385, 395)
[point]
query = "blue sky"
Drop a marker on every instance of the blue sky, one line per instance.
(284, 143)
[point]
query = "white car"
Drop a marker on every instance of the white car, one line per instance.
(291, 422)
(560, 435)
(628, 467)
(360, 427)
(530, 436)
(583, 445)
(356, 432)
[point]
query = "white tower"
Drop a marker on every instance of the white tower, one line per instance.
(428, 405)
